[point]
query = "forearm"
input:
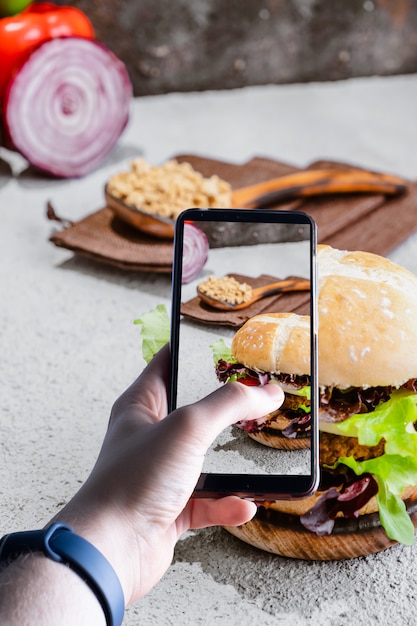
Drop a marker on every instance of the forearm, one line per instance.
(132, 508)
(37, 590)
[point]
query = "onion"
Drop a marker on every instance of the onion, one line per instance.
(194, 252)
(67, 106)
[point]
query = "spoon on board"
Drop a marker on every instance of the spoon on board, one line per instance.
(307, 183)
(300, 184)
(287, 284)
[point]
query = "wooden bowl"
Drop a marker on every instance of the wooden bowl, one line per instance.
(151, 224)
(283, 534)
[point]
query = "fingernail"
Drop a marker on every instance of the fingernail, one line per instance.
(275, 391)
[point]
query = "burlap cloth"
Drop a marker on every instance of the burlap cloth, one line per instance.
(370, 222)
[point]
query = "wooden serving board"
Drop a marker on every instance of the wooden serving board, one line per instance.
(283, 534)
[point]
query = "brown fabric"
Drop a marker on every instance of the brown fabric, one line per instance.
(105, 238)
(297, 302)
(356, 222)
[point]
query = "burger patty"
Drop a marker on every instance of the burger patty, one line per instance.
(293, 402)
(332, 447)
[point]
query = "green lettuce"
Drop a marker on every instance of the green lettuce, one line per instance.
(221, 351)
(396, 469)
(393, 473)
(155, 331)
(304, 391)
(392, 420)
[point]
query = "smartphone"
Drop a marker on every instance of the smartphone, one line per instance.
(256, 249)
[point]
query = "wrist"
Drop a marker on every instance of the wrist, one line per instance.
(109, 535)
(61, 545)
(36, 590)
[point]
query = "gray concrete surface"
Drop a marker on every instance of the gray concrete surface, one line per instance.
(69, 346)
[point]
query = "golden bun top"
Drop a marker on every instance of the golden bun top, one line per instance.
(367, 325)
(274, 342)
(367, 320)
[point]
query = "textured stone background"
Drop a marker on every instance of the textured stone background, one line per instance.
(187, 45)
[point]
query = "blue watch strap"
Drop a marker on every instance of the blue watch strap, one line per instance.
(61, 544)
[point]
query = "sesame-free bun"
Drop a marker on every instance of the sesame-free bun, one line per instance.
(367, 326)
(274, 342)
(367, 320)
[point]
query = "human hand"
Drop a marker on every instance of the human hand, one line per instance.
(137, 501)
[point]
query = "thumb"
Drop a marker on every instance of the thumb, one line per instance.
(233, 402)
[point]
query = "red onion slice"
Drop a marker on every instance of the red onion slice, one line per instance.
(194, 252)
(67, 106)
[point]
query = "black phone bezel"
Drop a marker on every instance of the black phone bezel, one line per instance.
(258, 487)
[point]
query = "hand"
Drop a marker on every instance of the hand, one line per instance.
(137, 501)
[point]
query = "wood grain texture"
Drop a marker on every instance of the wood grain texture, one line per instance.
(283, 534)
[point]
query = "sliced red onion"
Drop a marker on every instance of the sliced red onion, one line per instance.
(194, 252)
(67, 106)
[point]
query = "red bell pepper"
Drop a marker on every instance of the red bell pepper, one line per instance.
(22, 33)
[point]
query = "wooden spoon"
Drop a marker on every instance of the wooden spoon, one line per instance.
(297, 185)
(288, 284)
(317, 182)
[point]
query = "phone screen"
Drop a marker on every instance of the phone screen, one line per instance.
(231, 265)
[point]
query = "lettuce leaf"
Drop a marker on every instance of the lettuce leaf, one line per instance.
(303, 391)
(394, 517)
(221, 351)
(396, 469)
(155, 331)
(392, 420)
(393, 473)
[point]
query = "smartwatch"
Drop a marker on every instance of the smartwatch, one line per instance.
(59, 543)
